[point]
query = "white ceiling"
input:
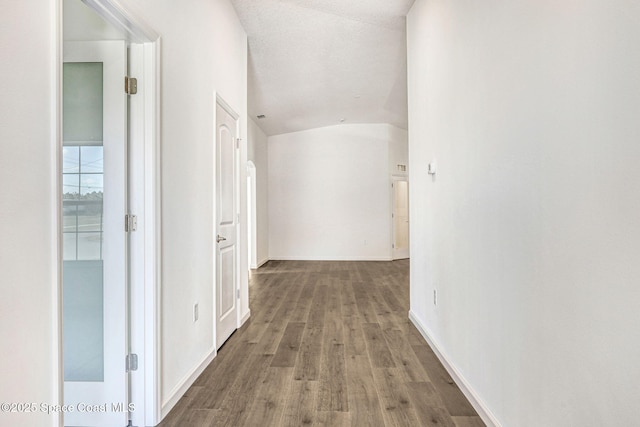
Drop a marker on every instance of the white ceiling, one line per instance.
(314, 62)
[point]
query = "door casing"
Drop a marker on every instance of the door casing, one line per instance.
(395, 254)
(144, 187)
(219, 101)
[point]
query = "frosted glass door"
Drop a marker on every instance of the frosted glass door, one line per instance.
(93, 235)
(82, 194)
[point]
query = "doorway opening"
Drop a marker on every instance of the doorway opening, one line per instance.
(400, 217)
(227, 157)
(108, 173)
(252, 215)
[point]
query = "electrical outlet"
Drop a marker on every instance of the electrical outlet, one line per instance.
(195, 312)
(435, 297)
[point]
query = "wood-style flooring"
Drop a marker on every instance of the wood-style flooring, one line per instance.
(327, 344)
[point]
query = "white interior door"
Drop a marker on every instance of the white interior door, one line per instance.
(94, 239)
(227, 224)
(400, 219)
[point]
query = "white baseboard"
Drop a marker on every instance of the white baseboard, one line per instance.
(263, 262)
(179, 390)
(329, 258)
(481, 408)
(245, 318)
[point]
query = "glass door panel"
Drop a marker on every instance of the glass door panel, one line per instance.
(93, 236)
(82, 197)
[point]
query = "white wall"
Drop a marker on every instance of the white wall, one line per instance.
(258, 153)
(83, 24)
(398, 151)
(329, 193)
(203, 52)
(529, 232)
(28, 257)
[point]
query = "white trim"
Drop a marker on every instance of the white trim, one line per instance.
(187, 381)
(149, 412)
(252, 220)
(261, 263)
(395, 253)
(478, 404)
(153, 244)
(245, 317)
(144, 202)
(123, 19)
(57, 365)
(230, 110)
(330, 258)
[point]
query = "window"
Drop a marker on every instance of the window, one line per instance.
(82, 196)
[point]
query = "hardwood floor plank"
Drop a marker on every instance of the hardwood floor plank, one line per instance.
(300, 409)
(332, 419)
(270, 304)
(318, 310)
(333, 319)
(303, 305)
(355, 344)
(274, 332)
(394, 398)
(308, 363)
(468, 422)
(268, 406)
(329, 344)
(428, 405)
(231, 348)
(200, 418)
(392, 301)
(405, 358)
(455, 402)
(364, 404)
(386, 318)
(179, 413)
(366, 312)
(240, 396)
(289, 345)
(377, 346)
(215, 389)
(332, 392)
(349, 306)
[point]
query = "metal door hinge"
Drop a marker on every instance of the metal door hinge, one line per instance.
(131, 362)
(130, 85)
(237, 293)
(130, 223)
(238, 143)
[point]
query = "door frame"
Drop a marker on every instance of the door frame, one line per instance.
(252, 216)
(240, 181)
(144, 188)
(394, 180)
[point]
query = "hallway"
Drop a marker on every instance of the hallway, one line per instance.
(327, 344)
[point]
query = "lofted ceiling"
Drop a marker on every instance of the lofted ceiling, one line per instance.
(313, 63)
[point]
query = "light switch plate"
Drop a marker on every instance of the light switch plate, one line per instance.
(432, 168)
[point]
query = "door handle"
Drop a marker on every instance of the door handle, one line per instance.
(220, 238)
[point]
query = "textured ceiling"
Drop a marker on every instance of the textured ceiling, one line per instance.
(315, 62)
